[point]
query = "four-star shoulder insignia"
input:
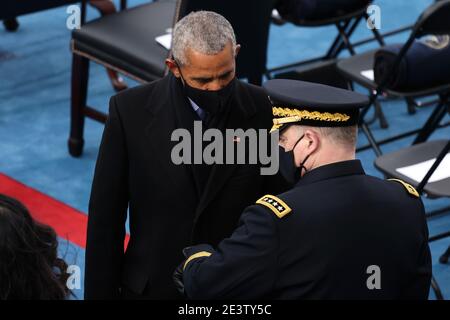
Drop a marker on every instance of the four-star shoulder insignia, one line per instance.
(278, 206)
(411, 190)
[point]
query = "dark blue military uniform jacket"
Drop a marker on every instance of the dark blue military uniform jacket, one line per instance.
(338, 234)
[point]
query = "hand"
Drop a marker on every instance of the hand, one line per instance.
(178, 274)
(178, 279)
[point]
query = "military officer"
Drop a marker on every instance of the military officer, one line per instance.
(338, 234)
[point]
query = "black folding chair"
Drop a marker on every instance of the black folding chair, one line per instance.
(323, 69)
(345, 22)
(434, 20)
(390, 164)
(11, 9)
(125, 42)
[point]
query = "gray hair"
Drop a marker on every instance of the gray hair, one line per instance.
(342, 136)
(203, 31)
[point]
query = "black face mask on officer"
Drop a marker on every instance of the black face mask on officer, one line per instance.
(213, 102)
(288, 169)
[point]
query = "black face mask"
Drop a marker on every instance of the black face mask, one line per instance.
(213, 102)
(288, 169)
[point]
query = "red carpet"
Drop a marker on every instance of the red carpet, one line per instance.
(69, 223)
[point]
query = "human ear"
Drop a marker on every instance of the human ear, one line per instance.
(236, 51)
(312, 139)
(173, 67)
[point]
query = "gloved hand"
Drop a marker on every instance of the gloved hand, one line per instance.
(178, 274)
(179, 271)
(178, 279)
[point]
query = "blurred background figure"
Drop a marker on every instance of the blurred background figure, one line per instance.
(29, 265)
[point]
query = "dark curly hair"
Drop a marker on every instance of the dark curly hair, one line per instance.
(29, 264)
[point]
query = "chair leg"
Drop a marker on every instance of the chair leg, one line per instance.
(373, 143)
(11, 24)
(411, 104)
(107, 7)
(117, 81)
(80, 77)
(339, 44)
(345, 39)
(432, 123)
(436, 289)
(445, 256)
(380, 115)
(375, 32)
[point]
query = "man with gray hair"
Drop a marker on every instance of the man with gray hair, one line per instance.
(171, 206)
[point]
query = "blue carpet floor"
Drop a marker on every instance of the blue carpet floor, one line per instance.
(35, 65)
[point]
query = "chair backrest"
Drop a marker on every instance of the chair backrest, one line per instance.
(434, 166)
(434, 20)
(321, 13)
(250, 20)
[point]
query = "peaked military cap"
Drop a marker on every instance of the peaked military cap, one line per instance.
(313, 104)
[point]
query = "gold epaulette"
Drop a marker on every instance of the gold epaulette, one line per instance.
(278, 206)
(411, 190)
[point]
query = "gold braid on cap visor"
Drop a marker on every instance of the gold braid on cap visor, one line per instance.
(294, 115)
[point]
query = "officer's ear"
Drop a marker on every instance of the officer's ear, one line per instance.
(312, 140)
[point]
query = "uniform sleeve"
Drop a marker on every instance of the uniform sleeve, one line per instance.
(419, 287)
(242, 267)
(107, 213)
